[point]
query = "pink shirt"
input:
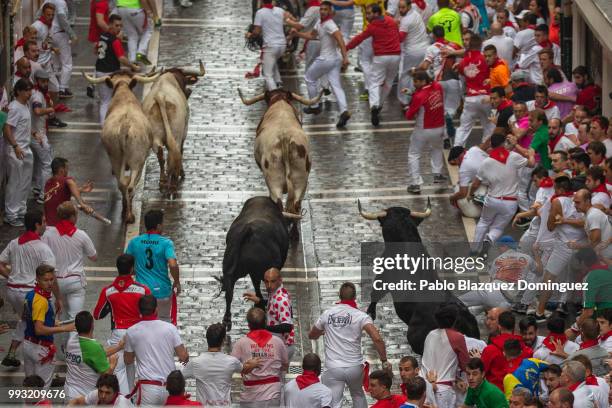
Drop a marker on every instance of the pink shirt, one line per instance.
(566, 89)
(273, 355)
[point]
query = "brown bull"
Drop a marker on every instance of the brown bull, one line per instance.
(126, 135)
(282, 147)
(168, 111)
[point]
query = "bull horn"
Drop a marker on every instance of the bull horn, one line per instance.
(305, 101)
(425, 214)
(368, 215)
(146, 79)
(94, 80)
(252, 100)
(195, 72)
(291, 216)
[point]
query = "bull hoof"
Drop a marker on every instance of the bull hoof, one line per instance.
(372, 311)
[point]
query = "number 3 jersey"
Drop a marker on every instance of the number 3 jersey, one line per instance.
(85, 361)
(152, 252)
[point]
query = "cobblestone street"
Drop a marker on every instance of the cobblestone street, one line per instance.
(221, 173)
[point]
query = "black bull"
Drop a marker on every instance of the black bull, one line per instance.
(256, 241)
(399, 226)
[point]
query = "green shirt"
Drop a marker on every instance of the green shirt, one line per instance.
(540, 145)
(451, 21)
(3, 118)
(133, 4)
(486, 395)
(599, 292)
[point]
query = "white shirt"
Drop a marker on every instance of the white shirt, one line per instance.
(60, 8)
(69, 251)
(543, 353)
(571, 129)
(565, 143)
(24, 259)
(314, 396)
(439, 356)
(608, 144)
(43, 40)
(551, 113)
(271, 23)
(20, 120)
(91, 399)
(472, 160)
(502, 179)
(154, 342)
(525, 41)
(583, 397)
(83, 357)
(504, 46)
(565, 232)
(544, 234)
(37, 100)
(343, 325)
(509, 32)
(597, 219)
(601, 198)
(600, 392)
(416, 33)
(213, 374)
(393, 7)
(329, 45)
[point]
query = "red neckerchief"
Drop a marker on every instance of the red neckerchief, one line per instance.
(500, 154)
(605, 337)
(573, 387)
(112, 402)
(350, 302)
(152, 316)
(65, 227)
(44, 403)
(520, 84)
(260, 336)
(176, 400)
(420, 4)
(314, 3)
(42, 19)
(497, 63)
(591, 380)
(546, 182)
(121, 283)
(326, 19)
(549, 104)
(554, 142)
(588, 343)
(42, 292)
(510, 24)
(268, 6)
(504, 104)
(567, 194)
(153, 232)
(546, 44)
(531, 26)
(20, 43)
(19, 74)
(554, 336)
(306, 379)
(601, 188)
(27, 237)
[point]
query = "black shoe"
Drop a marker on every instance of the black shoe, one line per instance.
(414, 189)
(440, 178)
(326, 91)
(10, 361)
(484, 252)
(346, 115)
(58, 382)
(447, 144)
(65, 94)
(375, 115)
(312, 111)
(90, 91)
(520, 308)
(55, 122)
(358, 69)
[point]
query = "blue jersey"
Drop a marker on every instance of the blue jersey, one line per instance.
(152, 252)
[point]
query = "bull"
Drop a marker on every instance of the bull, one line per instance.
(282, 147)
(400, 229)
(256, 241)
(168, 111)
(126, 134)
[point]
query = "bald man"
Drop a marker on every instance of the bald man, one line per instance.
(24, 70)
(279, 313)
(492, 322)
(504, 44)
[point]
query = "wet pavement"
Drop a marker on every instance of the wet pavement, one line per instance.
(359, 162)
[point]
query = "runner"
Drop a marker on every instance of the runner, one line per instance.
(306, 390)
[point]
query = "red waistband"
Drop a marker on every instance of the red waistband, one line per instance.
(152, 382)
(506, 198)
(449, 383)
(268, 380)
(38, 341)
(139, 384)
(19, 286)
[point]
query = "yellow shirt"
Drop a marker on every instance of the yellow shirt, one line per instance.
(365, 3)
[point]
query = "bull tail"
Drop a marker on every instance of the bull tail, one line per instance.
(125, 172)
(174, 153)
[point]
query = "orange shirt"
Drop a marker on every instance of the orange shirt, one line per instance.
(499, 74)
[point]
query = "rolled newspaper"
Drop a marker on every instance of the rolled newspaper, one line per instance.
(95, 215)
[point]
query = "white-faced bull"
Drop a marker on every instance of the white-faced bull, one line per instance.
(126, 135)
(401, 236)
(168, 111)
(282, 147)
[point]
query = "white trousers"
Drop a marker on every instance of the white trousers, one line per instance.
(106, 94)
(524, 201)
(474, 107)
(16, 298)
(384, 72)
(434, 138)
(270, 69)
(32, 354)
(495, 217)
(336, 379)
(62, 41)
(407, 62)
(261, 404)
(345, 19)
(445, 396)
(43, 155)
(366, 57)
(453, 94)
(313, 49)
(329, 67)
(138, 30)
(151, 395)
(18, 184)
(120, 371)
(53, 82)
(72, 291)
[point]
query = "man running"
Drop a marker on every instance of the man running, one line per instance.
(42, 150)
(137, 29)
(61, 188)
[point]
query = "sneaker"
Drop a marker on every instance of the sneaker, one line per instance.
(519, 308)
(157, 23)
(414, 189)
(540, 318)
(309, 110)
(447, 144)
(10, 361)
(90, 91)
(364, 96)
(375, 115)
(65, 94)
(326, 92)
(56, 122)
(531, 311)
(346, 115)
(143, 58)
(440, 178)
